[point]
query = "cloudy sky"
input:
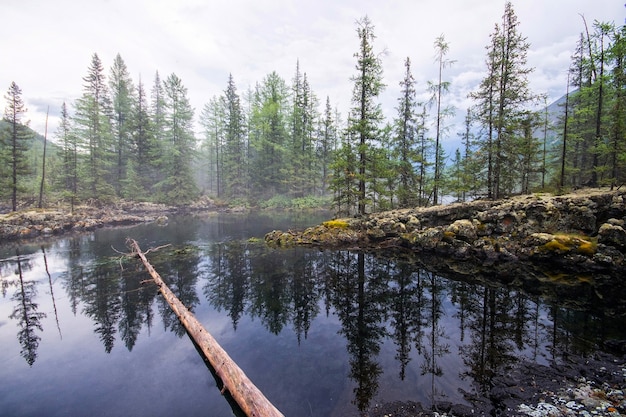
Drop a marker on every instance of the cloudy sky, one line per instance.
(47, 45)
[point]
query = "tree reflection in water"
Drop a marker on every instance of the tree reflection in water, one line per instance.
(430, 320)
(25, 312)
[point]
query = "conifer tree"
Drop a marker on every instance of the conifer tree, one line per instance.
(92, 126)
(366, 113)
(122, 95)
(157, 121)
(618, 108)
(424, 154)
(438, 89)
(179, 144)
(405, 140)
(17, 141)
(270, 168)
(502, 97)
(212, 119)
(470, 165)
(234, 160)
(326, 144)
(600, 149)
(69, 144)
(144, 149)
(344, 182)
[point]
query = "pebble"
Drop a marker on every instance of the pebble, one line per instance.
(584, 400)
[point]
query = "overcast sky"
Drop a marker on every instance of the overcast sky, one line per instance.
(47, 45)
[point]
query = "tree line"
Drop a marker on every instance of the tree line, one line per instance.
(277, 141)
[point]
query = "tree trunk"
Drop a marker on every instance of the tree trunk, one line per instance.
(249, 398)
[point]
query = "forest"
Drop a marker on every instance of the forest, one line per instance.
(277, 144)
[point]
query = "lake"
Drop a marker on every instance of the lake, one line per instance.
(321, 333)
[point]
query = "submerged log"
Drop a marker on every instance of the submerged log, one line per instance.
(249, 398)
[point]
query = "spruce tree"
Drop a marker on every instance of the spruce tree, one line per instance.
(212, 119)
(366, 113)
(618, 108)
(405, 140)
(179, 186)
(123, 101)
(93, 128)
(271, 166)
(344, 182)
(17, 141)
(326, 144)
(69, 144)
(157, 121)
(234, 156)
(503, 97)
(144, 150)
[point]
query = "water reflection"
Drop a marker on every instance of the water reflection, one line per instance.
(443, 330)
(25, 311)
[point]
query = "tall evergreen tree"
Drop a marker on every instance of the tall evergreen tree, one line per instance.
(235, 172)
(212, 119)
(179, 144)
(366, 113)
(503, 97)
(470, 165)
(618, 108)
(344, 183)
(122, 94)
(144, 149)
(326, 144)
(93, 128)
(405, 140)
(17, 141)
(602, 32)
(271, 166)
(438, 89)
(157, 119)
(69, 143)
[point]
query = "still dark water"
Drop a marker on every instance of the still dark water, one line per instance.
(320, 333)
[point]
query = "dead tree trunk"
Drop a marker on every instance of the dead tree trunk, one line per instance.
(249, 398)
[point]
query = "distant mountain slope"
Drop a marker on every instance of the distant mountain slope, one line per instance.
(37, 141)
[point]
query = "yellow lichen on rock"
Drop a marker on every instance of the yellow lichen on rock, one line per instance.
(338, 223)
(571, 243)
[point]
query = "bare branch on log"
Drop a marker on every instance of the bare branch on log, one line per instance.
(249, 398)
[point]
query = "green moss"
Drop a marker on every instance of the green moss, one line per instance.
(341, 224)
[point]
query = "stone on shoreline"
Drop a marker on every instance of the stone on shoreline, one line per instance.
(580, 230)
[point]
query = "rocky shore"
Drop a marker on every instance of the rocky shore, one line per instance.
(31, 223)
(569, 248)
(581, 232)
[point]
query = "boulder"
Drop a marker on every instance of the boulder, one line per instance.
(612, 235)
(463, 230)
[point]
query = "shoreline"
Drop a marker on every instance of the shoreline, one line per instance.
(579, 232)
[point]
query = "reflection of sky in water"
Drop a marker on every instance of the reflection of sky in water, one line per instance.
(164, 375)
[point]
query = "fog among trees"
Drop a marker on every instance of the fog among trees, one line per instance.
(277, 144)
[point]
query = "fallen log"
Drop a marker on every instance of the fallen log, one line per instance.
(249, 398)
